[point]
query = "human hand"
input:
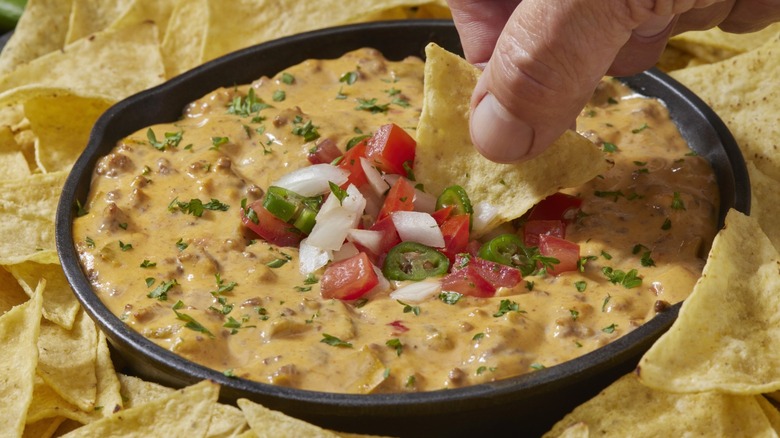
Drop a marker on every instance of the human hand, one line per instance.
(543, 59)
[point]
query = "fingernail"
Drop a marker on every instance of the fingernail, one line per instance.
(654, 26)
(497, 134)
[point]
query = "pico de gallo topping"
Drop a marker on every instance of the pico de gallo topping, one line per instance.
(360, 216)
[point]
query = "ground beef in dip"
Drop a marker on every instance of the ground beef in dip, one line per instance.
(165, 249)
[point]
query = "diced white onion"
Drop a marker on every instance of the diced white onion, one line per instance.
(313, 180)
(416, 292)
(336, 218)
(383, 284)
(311, 258)
(368, 239)
(373, 204)
(416, 226)
(391, 178)
(484, 218)
(424, 201)
(346, 251)
(374, 177)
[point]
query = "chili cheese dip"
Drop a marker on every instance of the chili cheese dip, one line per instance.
(167, 243)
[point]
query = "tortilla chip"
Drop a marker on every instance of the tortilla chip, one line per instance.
(139, 11)
(715, 45)
(745, 92)
(19, 330)
(182, 45)
(227, 421)
(60, 305)
(771, 412)
(726, 337)
(27, 210)
(43, 429)
(89, 16)
(11, 293)
(62, 137)
(235, 24)
(41, 30)
(184, 413)
(67, 360)
(107, 64)
(627, 408)
(267, 423)
(765, 202)
(446, 156)
(13, 164)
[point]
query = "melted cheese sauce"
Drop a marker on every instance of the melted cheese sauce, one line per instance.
(224, 299)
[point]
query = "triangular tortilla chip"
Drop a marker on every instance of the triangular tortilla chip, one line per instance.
(727, 335)
(60, 305)
(185, 413)
(268, 423)
(446, 156)
(67, 360)
(627, 408)
(19, 329)
(109, 64)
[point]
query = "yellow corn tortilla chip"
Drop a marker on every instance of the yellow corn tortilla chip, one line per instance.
(446, 156)
(43, 428)
(11, 293)
(41, 30)
(745, 92)
(47, 403)
(60, 305)
(771, 412)
(628, 408)
(13, 164)
(227, 420)
(234, 24)
(765, 202)
(139, 11)
(726, 337)
(182, 44)
(89, 16)
(109, 64)
(184, 413)
(19, 330)
(27, 210)
(268, 423)
(62, 137)
(714, 45)
(67, 360)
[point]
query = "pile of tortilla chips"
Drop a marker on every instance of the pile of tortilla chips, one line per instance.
(66, 63)
(716, 372)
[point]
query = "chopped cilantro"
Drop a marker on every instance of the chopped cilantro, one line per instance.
(667, 224)
(287, 78)
(307, 130)
(181, 244)
(196, 207)
(609, 147)
(580, 285)
(409, 308)
(629, 279)
(279, 96)
(677, 202)
(191, 323)
(334, 341)
(396, 344)
(338, 192)
(125, 246)
(161, 291)
(349, 77)
(574, 314)
(505, 307)
(148, 264)
(371, 106)
(610, 328)
(450, 297)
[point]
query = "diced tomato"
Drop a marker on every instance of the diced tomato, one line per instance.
(351, 163)
(568, 253)
(456, 235)
(442, 214)
(271, 228)
(324, 152)
(400, 197)
(390, 147)
(398, 326)
(473, 247)
(390, 239)
(558, 206)
(497, 274)
(348, 279)
(532, 229)
(467, 281)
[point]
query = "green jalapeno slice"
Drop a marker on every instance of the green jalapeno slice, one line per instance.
(456, 197)
(414, 261)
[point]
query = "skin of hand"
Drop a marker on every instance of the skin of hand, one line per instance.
(542, 59)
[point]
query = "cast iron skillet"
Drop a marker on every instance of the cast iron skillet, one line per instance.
(526, 405)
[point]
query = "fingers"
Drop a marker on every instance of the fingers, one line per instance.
(479, 23)
(546, 64)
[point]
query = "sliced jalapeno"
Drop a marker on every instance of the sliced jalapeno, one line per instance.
(508, 249)
(291, 207)
(457, 197)
(414, 261)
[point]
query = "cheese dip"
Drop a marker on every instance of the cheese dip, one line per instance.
(163, 244)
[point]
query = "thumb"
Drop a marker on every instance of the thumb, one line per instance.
(548, 60)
